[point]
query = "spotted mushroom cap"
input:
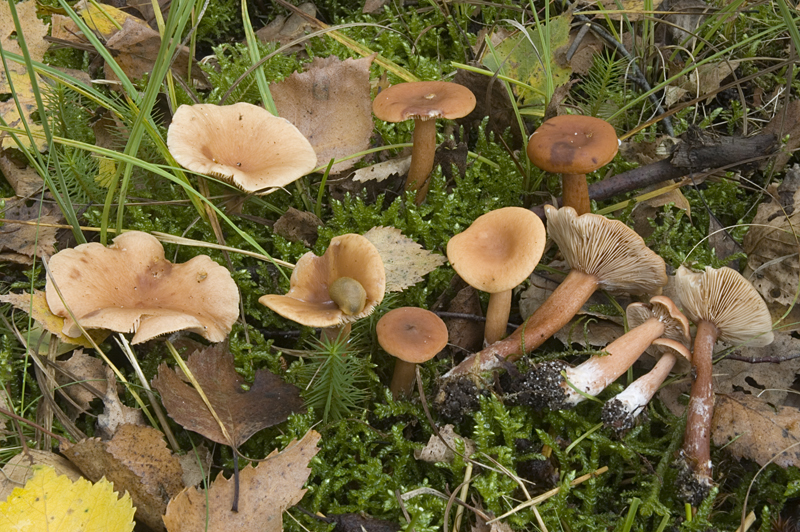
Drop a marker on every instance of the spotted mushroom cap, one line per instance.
(728, 300)
(499, 250)
(573, 144)
(412, 334)
(243, 144)
(664, 310)
(308, 300)
(423, 100)
(607, 249)
(130, 287)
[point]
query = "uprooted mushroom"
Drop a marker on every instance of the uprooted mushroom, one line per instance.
(130, 287)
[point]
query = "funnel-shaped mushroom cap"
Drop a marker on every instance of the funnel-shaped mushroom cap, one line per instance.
(242, 143)
(499, 250)
(412, 334)
(573, 144)
(607, 249)
(726, 299)
(662, 308)
(130, 287)
(424, 100)
(308, 300)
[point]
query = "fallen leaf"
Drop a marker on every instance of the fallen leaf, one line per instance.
(518, 57)
(437, 451)
(115, 413)
(722, 242)
(269, 400)
(491, 100)
(265, 491)
(284, 30)
(17, 75)
(298, 226)
(498, 526)
(756, 430)
(20, 242)
(382, 171)
(405, 261)
(86, 369)
(19, 469)
(583, 57)
(63, 28)
(136, 460)
(330, 104)
(23, 179)
(631, 9)
(785, 124)
(104, 19)
(196, 466)
(49, 498)
(464, 333)
(358, 522)
(36, 306)
(708, 77)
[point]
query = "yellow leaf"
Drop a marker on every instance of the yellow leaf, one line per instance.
(405, 261)
(36, 306)
(56, 504)
(103, 18)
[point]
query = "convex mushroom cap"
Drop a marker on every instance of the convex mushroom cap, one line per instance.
(412, 334)
(243, 144)
(309, 300)
(573, 144)
(130, 287)
(662, 308)
(423, 100)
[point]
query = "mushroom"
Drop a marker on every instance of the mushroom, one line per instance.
(620, 412)
(724, 306)
(334, 290)
(603, 254)
(424, 101)
(648, 323)
(130, 287)
(495, 254)
(412, 335)
(242, 144)
(573, 146)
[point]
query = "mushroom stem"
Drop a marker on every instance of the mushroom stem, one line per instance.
(497, 316)
(697, 438)
(403, 378)
(335, 334)
(554, 313)
(422, 153)
(576, 193)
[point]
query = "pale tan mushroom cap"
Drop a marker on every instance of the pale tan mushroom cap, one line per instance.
(664, 310)
(308, 302)
(683, 355)
(607, 249)
(130, 287)
(423, 100)
(412, 334)
(242, 143)
(499, 250)
(726, 299)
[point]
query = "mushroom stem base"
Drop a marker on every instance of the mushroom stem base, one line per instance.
(335, 334)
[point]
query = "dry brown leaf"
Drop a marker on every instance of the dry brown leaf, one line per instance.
(284, 30)
(785, 124)
(298, 226)
(20, 242)
(330, 104)
(437, 451)
(492, 100)
(265, 491)
(382, 171)
(84, 368)
(464, 333)
(583, 57)
(771, 243)
(269, 400)
(708, 77)
(19, 469)
(136, 460)
(23, 179)
(196, 466)
(758, 431)
(17, 75)
(115, 413)
(405, 260)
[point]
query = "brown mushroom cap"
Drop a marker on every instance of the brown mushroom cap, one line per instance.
(308, 300)
(683, 355)
(130, 287)
(499, 250)
(423, 100)
(662, 308)
(412, 334)
(607, 249)
(573, 144)
(726, 299)
(242, 143)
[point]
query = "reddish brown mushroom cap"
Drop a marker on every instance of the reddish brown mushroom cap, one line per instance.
(308, 300)
(499, 250)
(130, 287)
(412, 334)
(573, 144)
(423, 100)
(243, 144)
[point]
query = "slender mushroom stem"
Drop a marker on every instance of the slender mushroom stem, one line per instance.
(554, 313)
(422, 154)
(697, 438)
(403, 378)
(497, 316)
(576, 193)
